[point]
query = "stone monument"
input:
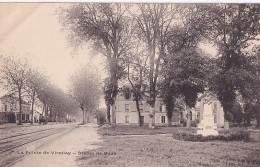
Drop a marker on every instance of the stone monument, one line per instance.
(207, 126)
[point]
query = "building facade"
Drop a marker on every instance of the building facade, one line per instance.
(9, 110)
(126, 111)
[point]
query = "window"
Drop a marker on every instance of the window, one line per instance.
(141, 107)
(126, 119)
(215, 107)
(23, 116)
(142, 120)
(127, 107)
(5, 107)
(127, 95)
(160, 108)
(215, 118)
(27, 117)
(198, 115)
(163, 119)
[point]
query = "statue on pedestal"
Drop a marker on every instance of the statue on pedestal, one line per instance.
(207, 126)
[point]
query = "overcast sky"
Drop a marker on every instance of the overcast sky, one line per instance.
(33, 31)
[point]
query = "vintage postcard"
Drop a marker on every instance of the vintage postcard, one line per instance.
(129, 84)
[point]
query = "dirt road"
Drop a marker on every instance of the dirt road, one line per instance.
(62, 151)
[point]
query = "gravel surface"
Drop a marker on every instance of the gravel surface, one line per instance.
(63, 151)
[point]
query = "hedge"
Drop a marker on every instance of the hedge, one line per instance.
(227, 135)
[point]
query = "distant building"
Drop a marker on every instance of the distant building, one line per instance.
(9, 110)
(126, 111)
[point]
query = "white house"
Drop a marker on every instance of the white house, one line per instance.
(126, 111)
(9, 110)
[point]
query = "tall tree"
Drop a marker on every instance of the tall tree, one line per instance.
(137, 74)
(44, 93)
(252, 104)
(15, 72)
(107, 96)
(85, 89)
(107, 29)
(33, 85)
(233, 27)
(186, 76)
(186, 34)
(59, 104)
(153, 22)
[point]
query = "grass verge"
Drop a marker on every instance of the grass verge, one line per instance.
(144, 130)
(120, 149)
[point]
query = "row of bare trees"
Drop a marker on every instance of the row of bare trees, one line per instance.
(19, 78)
(86, 90)
(157, 47)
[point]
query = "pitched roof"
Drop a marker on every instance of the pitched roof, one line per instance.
(10, 96)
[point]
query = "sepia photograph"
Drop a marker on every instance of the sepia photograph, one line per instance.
(129, 84)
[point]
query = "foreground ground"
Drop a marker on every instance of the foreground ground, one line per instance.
(128, 146)
(123, 146)
(63, 151)
(52, 145)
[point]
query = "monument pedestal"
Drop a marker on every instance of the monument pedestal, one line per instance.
(207, 130)
(207, 126)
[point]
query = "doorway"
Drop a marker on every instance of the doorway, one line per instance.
(142, 120)
(11, 118)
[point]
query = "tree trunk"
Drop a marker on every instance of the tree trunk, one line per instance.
(258, 117)
(152, 106)
(113, 113)
(169, 118)
(83, 120)
(152, 117)
(188, 118)
(59, 117)
(248, 119)
(43, 108)
(169, 109)
(46, 110)
(114, 74)
(139, 113)
(52, 114)
(87, 116)
(114, 94)
(108, 113)
(244, 116)
(20, 107)
(33, 99)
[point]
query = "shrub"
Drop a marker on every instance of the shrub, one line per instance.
(183, 122)
(101, 117)
(194, 123)
(227, 135)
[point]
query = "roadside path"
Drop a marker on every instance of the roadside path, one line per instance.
(64, 150)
